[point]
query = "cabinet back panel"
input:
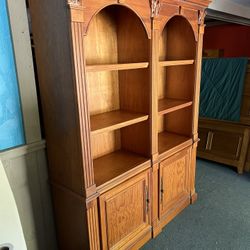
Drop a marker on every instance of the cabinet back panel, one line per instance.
(136, 138)
(176, 82)
(179, 122)
(105, 143)
(133, 43)
(103, 92)
(161, 123)
(135, 90)
(101, 41)
(177, 40)
(180, 82)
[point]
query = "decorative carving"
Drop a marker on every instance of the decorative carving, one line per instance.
(74, 2)
(155, 7)
(201, 18)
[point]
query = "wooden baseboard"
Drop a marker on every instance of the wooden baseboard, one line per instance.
(157, 230)
(170, 216)
(142, 241)
(193, 198)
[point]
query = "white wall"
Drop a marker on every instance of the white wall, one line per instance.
(26, 169)
(229, 6)
(25, 69)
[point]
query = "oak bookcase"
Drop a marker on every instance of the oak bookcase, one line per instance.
(119, 83)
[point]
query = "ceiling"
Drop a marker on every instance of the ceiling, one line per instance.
(240, 8)
(242, 2)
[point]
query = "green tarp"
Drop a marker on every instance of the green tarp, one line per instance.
(222, 88)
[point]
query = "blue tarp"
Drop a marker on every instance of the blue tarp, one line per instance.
(11, 125)
(222, 86)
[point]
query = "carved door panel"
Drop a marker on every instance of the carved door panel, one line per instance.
(174, 183)
(125, 213)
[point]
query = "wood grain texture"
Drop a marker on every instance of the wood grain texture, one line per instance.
(71, 220)
(154, 72)
(113, 67)
(105, 143)
(114, 120)
(92, 7)
(93, 226)
(193, 194)
(97, 66)
(58, 96)
(134, 84)
(82, 101)
(115, 164)
(170, 143)
(224, 142)
(174, 175)
(166, 106)
(170, 9)
(124, 213)
(175, 63)
(180, 42)
(196, 99)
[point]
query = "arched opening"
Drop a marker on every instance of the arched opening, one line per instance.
(177, 53)
(118, 83)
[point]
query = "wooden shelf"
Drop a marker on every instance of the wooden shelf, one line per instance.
(114, 120)
(120, 66)
(170, 143)
(118, 165)
(170, 105)
(175, 63)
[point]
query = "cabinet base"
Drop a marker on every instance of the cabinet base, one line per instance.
(166, 219)
(142, 241)
(157, 230)
(193, 198)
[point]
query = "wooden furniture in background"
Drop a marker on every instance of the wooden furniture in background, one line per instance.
(119, 84)
(228, 142)
(223, 142)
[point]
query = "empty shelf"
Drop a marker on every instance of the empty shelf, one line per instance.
(114, 120)
(116, 164)
(169, 105)
(120, 66)
(170, 143)
(176, 63)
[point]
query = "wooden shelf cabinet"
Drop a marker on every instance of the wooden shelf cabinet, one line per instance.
(119, 88)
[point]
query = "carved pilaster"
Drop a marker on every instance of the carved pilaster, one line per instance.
(74, 2)
(82, 100)
(155, 7)
(93, 226)
(201, 18)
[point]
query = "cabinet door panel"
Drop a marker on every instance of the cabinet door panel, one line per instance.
(226, 144)
(174, 174)
(125, 213)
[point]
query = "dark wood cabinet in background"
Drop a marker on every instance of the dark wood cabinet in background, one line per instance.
(223, 142)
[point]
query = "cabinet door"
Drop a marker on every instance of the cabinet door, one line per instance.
(174, 184)
(226, 144)
(125, 213)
